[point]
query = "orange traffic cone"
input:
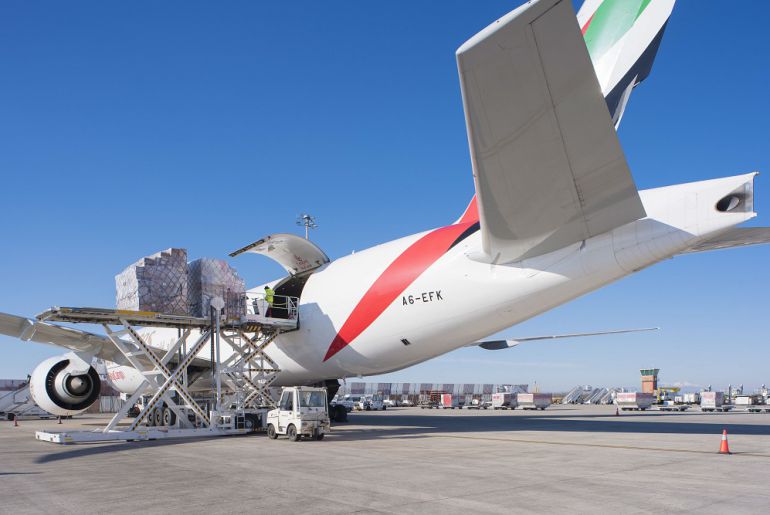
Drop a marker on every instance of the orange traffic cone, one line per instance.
(59, 420)
(617, 411)
(15, 421)
(724, 448)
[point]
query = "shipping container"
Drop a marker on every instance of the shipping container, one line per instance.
(634, 400)
(534, 400)
(503, 400)
(449, 401)
(709, 401)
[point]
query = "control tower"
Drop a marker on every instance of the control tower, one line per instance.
(649, 379)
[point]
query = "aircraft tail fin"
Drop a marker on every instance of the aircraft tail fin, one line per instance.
(471, 213)
(623, 37)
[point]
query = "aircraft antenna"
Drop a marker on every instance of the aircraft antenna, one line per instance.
(309, 222)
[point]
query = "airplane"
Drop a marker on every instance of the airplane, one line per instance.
(556, 214)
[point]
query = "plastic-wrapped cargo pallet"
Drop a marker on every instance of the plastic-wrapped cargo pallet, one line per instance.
(209, 278)
(155, 283)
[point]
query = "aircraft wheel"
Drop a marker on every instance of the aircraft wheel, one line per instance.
(169, 417)
(271, 432)
(291, 432)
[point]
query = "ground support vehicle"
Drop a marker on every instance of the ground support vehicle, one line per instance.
(371, 402)
(713, 401)
(449, 401)
(504, 400)
(431, 399)
(673, 407)
(301, 412)
(634, 400)
(534, 400)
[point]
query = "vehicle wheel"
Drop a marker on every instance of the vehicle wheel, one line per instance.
(169, 417)
(319, 436)
(339, 414)
(157, 417)
(291, 432)
(271, 432)
(251, 422)
(150, 419)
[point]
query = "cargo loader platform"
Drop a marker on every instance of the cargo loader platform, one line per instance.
(236, 393)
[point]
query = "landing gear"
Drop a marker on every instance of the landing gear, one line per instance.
(338, 413)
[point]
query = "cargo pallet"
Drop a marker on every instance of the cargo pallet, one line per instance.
(246, 374)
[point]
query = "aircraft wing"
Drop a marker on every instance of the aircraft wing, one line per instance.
(735, 237)
(79, 341)
(507, 344)
(547, 164)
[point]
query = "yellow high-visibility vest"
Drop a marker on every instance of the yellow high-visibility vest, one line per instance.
(269, 295)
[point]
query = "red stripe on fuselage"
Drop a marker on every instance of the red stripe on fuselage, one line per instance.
(471, 214)
(585, 27)
(394, 280)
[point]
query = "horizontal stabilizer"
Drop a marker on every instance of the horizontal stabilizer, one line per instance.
(547, 164)
(507, 344)
(735, 237)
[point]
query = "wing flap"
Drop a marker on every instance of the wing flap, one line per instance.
(548, 166)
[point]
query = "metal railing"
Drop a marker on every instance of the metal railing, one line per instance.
(283, 306)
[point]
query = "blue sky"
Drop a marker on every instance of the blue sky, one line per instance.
(130, 127)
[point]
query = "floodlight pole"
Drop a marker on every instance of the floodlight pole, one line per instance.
(308, 221)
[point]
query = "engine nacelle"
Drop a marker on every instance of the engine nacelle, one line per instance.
(64, 385)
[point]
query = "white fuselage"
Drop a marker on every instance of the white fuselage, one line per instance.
(461, 298)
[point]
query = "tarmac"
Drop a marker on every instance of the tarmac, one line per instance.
(567, 459)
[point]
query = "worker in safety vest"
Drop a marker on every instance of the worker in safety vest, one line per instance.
(269, 298)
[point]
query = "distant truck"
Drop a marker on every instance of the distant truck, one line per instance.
(534, 400)
(449, 401)
(503, 400)
(713, 401)
(634, 400)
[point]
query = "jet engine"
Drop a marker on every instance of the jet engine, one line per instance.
(64, 385)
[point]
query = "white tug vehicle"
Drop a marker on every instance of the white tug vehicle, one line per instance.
(302, 411)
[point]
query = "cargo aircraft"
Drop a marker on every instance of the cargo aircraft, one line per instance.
(555, 215)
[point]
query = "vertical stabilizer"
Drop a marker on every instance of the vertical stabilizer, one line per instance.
(623, 37)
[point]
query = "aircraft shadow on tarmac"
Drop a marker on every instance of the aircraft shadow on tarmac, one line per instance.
(414, 426)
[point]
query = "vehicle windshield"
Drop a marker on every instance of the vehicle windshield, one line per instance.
(312, 399)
